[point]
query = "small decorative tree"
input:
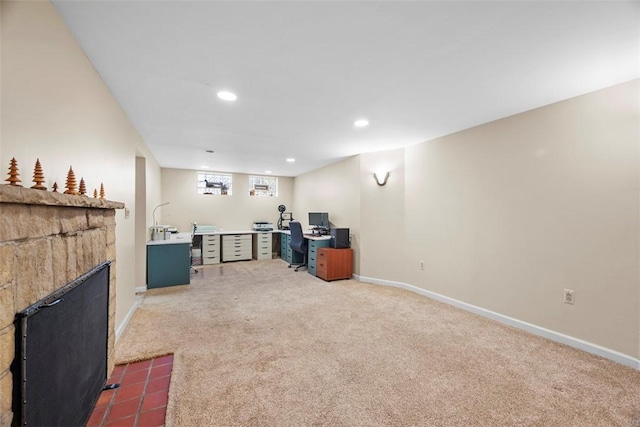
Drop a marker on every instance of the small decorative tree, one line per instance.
(83, 188)
(101, 191)
(38, 176)
(13, 173)
(71, 183)
(95, 193)
(55, 187)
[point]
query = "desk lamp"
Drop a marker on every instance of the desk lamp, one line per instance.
(154, 212)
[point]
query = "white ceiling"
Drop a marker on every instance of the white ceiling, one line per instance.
(304, 71)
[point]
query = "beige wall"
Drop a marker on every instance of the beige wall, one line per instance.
(507, 215)
(382, 216)
(57, 108)
(148, 179)
(334, 189)
(237, 211)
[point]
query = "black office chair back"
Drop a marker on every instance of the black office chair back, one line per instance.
(298, 242)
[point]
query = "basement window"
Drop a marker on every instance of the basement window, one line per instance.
(265, 186)
(214, 184)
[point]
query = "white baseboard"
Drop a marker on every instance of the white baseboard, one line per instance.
(613, 355)
(128, 317)
(141, 289)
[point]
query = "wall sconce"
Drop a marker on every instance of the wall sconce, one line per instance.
(379, 180)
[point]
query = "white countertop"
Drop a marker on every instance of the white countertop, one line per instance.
(309, 235)
(221, 232)
(211, 233)
(174, 239)
(314, 237)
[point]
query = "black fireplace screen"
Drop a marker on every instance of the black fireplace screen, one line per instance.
(61, 353)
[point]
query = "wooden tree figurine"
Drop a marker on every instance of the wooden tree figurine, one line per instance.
(55, 187)
(95, 193)
(71, 182)
(13, 173)
(83, 188)
(38, 177)
(101, 191)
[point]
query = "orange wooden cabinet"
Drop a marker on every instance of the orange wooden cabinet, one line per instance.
(334, 264)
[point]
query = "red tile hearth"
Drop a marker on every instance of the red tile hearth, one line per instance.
(141, 399)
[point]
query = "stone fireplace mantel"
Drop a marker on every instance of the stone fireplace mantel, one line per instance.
(27, 196)
(47, 240)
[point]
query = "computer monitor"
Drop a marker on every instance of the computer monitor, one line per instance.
(319, 219)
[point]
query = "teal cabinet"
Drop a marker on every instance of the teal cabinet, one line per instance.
(314, 245)
(288, 254)
(285, 239)
(168, 265)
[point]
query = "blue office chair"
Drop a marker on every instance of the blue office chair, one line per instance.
(298, 243)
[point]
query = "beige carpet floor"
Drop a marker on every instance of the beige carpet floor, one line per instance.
(257, 344)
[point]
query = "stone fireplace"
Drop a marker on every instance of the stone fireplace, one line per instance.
(46, 241)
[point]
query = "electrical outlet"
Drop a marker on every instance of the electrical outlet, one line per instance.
(421, 265)
(568, 296)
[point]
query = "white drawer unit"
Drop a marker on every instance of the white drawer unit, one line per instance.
(236, 247)
(262, 246)
(210, 249)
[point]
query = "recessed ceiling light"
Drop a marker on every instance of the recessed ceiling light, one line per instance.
(360, 123)
(204, 167)
(268, 172)
(227, 96)
(291, 160)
